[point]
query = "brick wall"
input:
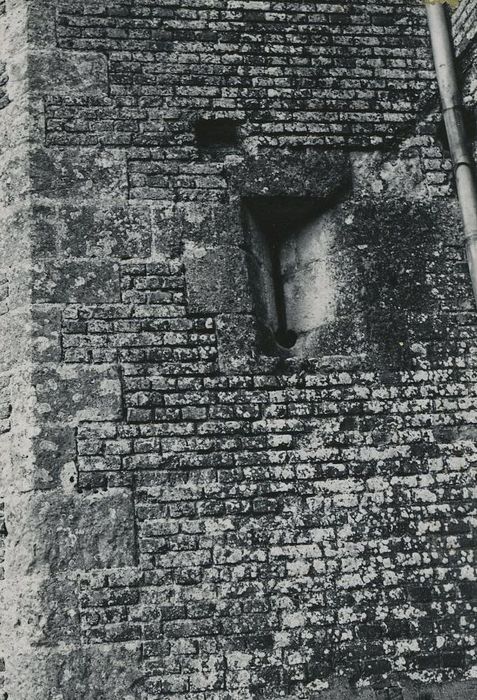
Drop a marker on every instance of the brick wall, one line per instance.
(464, 24)
(294, 73)
(276, 505)
(193, 515)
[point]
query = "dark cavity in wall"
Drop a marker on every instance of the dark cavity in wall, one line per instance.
(286, 254)
(217, 135)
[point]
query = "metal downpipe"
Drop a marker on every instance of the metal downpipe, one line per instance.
(452, 109)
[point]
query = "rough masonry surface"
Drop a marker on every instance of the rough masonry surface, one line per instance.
(190, 513)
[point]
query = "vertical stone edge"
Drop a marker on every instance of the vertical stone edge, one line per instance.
(14, 316)
(55, 532)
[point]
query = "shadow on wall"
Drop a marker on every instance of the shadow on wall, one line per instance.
(408, 281)
(348, 277)
(4, 99)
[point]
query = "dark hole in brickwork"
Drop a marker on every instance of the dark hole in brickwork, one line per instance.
(286, 338)
(216, 134)
(282, 279)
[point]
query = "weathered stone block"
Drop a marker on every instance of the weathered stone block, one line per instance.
(73, 393)
(72, 172)
(45, 333)
(22, 121)
(204, 224)
(117, 231)
(71, 281)
(217, 281)
(275, 173)
(94, 673)
(13, 176)
(62, 532)
(16, 328)
(24, 231)
(63, 72)
(30, 25)
(43, 610)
